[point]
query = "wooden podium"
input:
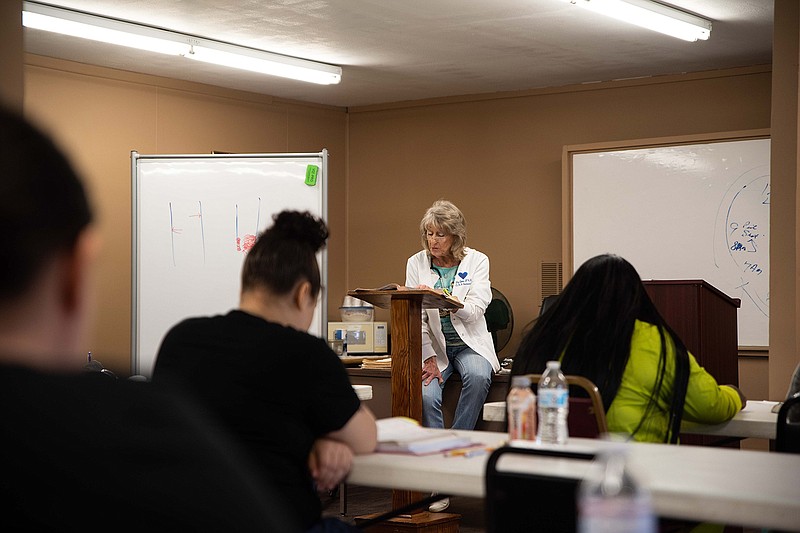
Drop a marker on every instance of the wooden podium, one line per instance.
(705, 319)
(406, 307)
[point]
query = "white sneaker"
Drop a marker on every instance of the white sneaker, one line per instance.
(441, 505)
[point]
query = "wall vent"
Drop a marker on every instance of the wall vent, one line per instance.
(552, 278)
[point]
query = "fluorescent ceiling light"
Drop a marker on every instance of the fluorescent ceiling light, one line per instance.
(97, 28)
(653, 16)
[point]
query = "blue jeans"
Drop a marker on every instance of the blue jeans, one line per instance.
(476, 378)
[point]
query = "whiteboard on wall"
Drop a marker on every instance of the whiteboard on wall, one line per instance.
(194, 219)
(682, 211)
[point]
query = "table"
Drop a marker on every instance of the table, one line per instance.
(722, 485)
(756, 420)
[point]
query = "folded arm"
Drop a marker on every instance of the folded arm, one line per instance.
(332, 455)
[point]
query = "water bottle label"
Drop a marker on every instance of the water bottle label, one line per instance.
(598, 514)
(553, 398)
(637, 524)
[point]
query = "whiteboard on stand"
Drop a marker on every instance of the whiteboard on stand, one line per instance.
(194, 219)
(680, 211)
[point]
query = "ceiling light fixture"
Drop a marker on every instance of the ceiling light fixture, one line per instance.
(653, 16)
(97, 28)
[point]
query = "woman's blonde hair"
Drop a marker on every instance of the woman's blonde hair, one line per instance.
(445, 216)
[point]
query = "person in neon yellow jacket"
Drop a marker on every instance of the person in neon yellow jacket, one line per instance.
(607, 329)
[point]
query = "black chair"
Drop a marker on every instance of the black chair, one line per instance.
(787, 434)
(520, 501)
(547, 303)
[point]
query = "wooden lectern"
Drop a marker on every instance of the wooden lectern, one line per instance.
(705, 319)
(406, 307)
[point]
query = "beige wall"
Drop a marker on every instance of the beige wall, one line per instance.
(499, 160)
(11, 53)
(100, 115)
(784, 238)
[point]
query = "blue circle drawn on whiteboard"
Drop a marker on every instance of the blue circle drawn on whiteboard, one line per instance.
(741, 235)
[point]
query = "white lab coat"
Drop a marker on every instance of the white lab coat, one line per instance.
(473, 289)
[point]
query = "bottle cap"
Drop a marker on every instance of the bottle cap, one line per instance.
(520, 381)
(554, 364)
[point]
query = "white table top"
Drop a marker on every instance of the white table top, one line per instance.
(364, 392)
(750, 488)
(754, 421)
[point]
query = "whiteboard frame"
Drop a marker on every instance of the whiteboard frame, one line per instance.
(136, 157)
(569, 151)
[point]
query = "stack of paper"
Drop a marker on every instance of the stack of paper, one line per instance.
(404, 435)
(386, 362)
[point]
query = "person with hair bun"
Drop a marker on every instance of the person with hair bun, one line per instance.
(282, 391)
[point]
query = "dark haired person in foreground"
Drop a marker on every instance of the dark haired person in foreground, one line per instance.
(282, 391)
(80, 453)
(603, 326)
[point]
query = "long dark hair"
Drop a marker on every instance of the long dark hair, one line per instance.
(591, 324)
(286, 254)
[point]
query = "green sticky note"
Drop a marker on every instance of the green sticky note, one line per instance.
(311, 175)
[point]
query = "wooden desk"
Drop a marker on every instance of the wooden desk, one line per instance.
(756, 420)
(720, 485)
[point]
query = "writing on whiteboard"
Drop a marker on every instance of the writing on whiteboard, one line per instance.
(243, 244)
(744, 213)
(187, 227)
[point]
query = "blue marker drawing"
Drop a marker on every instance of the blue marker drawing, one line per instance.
(202, 231)
(199, 215)
(172, 231)
(236, 225)
(258, 216)
(740, 242)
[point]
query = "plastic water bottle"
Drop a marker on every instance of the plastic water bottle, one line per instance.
(610, 499)
(343, 336)
(553, 405)
(521, 404)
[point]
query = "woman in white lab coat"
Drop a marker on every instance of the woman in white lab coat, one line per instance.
(453, 340)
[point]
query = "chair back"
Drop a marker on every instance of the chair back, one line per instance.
(522, 497)
(787, 434)
(586, 418)
(547, 303)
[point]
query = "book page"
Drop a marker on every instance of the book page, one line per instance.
(387, 287)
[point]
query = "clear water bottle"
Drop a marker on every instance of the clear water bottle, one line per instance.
(521, 404)
(341, 334)
(611, 501)
(553, 405)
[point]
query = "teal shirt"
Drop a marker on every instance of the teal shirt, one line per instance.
(447, 276)
(706, 401)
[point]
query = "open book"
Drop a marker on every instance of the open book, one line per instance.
(404, 435)
(397, 287)
(387, 287)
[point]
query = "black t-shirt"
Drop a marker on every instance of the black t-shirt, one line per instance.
(277, 388)
(85, 453)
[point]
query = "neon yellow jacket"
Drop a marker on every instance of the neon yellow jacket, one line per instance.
(706, 401)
